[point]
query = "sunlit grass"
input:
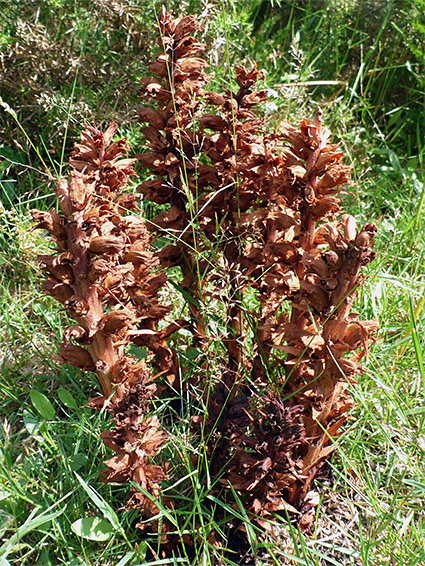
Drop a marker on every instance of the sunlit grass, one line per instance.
(371, 511)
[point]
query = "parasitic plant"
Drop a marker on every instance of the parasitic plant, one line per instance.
(268, 204)
(257, 209)
(107, 279)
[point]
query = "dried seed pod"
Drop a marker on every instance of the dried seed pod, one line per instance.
(155, 118)
(76, 356)
(349, 227)
(106, 244)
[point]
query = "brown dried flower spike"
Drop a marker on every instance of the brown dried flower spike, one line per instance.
(106, 278)
(260, 210)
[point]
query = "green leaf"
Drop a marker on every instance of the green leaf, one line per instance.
(93, 528)
(4, 494)
(67, 399)
(129, 556)
(44, 559)
(31, 422)
(42, 405)
(192, 354)
(419, 487)
(157, 503)
(77, 461)
(248, 525)
(140, 353)
(32, 523)
(185, 294)
(7, 190)
(166, 562)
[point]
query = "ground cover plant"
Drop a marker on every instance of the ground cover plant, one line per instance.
(371, 511)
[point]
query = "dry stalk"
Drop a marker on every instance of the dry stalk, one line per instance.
(107, 279)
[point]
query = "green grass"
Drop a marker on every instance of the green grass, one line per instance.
(369, 64)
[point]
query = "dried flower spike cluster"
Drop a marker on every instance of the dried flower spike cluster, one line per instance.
(268, 205)
(259, 210)
(105, 276)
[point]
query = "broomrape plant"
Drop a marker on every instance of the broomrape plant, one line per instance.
(104, 274)
(258, 210)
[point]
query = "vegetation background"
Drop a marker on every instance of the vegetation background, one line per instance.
(63, 63)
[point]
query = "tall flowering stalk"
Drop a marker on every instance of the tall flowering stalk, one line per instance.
(107, 279)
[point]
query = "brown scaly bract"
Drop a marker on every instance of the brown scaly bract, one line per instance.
(268, 205)
(107, 279)
(171, 134)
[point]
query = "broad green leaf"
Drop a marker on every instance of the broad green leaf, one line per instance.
(42, 405)
(30, 421)
(93, 528)
(77, 461)
(67, 399)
